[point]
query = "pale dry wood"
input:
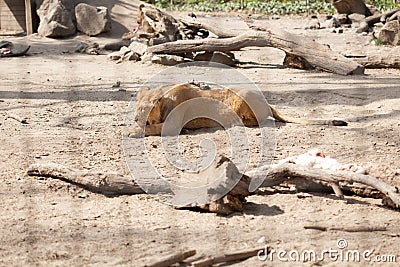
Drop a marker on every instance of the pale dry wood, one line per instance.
(28, 17)
(294, 173)
(318, 55)
(111, 183)
(172, 259)
(379, 60)
(116, 184)
(352, 229)
(228, 257)
(371, 20)
(108, 183)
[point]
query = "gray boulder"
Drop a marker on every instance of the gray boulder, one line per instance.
(55, 20)
(92, 20)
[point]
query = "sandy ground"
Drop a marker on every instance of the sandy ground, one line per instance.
(76, 118)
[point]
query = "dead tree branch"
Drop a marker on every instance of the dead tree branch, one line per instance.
(351, 229)
(228, 257)
(172, 259)
(110, 183)
(318, 55)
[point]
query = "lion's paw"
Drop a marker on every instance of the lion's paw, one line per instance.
(134, 132)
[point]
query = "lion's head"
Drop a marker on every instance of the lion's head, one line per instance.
(148, 106)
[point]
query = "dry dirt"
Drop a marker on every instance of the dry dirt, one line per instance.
(76, 118)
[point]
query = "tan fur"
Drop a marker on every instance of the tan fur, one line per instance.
(153, 107)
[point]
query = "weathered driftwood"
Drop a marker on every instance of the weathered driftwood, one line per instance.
(228, 257)
(387, 15)
(301, 175)
(107, 183)
(305, 178)
(380, 60)
(110, 183)
(172, 259)
(395, 16)
(371, 20)
(352, 229)
(318, 55)
(351, 6)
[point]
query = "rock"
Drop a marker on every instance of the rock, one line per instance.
(131, 56)
(92, 20)
(146, 57)
(218, 57)
(45, 5)
(138, 47)
(363, 27)
(342, 18)
(389, 34)
(356, 18)
(330, 23)
(314, 25)
(55, 20)
(169, 60)
(119, 55)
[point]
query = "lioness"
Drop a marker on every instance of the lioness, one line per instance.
(154, 106)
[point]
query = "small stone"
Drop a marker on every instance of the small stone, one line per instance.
(82, 195)
(261, 240)
(342, 18)
(330, 23)
(138, 47)
(355, 18)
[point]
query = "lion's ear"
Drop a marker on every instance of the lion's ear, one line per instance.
(142, 92)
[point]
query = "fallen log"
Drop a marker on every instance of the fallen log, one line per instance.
(317, 55)
(107, 183)
(371, 20)
(379, 60)
(110, 183)
(228, 257)
(172, 259)
(305, 178)
(297, 174)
